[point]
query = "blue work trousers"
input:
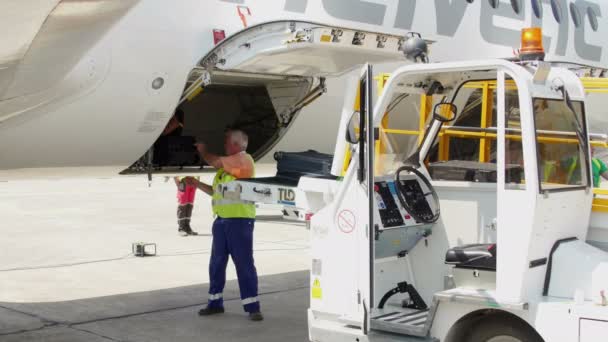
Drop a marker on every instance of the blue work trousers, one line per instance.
(233, 237)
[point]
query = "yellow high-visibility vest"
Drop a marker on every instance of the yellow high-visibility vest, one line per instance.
(228, 208)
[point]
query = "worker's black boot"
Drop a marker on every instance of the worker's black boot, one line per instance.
(210, 311)
(256, 316)
(189, 208)
(183, 220)
(187, 231)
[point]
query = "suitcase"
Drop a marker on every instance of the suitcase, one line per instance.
(293, 165)
(296, 164)
(470, 171)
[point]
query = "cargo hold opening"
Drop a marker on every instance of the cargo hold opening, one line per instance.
(263, 106)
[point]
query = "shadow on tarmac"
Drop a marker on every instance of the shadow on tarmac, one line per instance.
(164, 315)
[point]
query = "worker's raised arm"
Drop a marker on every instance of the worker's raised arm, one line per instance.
(172, 125)
(210, 158)
(206, 188)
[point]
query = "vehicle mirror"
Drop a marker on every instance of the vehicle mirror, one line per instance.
(352, 129)
(444, 112)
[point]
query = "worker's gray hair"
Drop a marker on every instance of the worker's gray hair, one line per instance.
(239, 137)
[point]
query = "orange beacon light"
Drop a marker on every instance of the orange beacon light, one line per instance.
(532, 44)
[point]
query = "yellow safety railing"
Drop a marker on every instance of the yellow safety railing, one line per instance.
(595, 85)
(380, 148)
(426, 106)
(425, 109)
(487, 105)
(453, 133)
(348, 154)
(591, 84)
(600, 204)
(488, 87)
(491, 84)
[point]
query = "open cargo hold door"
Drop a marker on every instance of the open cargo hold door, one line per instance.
(258, 80)
(301, 49)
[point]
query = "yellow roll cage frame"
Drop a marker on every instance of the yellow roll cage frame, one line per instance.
(591, 85)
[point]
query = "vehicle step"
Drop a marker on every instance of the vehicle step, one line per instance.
(381, 336)
(404, 321)
(407, 323)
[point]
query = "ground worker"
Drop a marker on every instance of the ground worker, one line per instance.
(599, 168)
(185, 193)
(185, 204)
(233, 227)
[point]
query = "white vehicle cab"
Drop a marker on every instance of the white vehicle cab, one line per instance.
(474, 230)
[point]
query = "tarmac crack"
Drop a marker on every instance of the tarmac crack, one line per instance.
(58, 325)
(25, 331)
(46, 323)
(32, 315)
(94, 333)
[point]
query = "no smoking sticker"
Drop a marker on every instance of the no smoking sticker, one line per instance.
(346, 221)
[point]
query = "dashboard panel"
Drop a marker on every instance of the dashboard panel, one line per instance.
(391, 211)
(398, 232)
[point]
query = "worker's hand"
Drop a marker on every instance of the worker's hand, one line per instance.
(201, 147)
(191, 181)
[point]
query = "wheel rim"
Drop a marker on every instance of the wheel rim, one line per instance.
(504, 338)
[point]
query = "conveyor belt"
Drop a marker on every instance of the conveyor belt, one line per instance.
(276, 180)
(290, 181)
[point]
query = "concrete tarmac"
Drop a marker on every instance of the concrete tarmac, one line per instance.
(67, 272)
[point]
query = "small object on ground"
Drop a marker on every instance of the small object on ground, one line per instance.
(140, 249)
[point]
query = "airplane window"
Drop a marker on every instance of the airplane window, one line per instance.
(516, 4)
(576, 15)
(537, 8)
(494, 3)
(557, 11)
(592, 18)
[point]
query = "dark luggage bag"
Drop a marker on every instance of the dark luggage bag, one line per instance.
(296, 164)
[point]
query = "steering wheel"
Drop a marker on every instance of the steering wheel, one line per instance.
(414, 200)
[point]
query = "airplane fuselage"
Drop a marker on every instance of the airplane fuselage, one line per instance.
(95, 84)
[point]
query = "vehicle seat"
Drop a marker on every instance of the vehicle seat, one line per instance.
(478, 256)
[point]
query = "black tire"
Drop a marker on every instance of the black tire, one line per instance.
(511, 329)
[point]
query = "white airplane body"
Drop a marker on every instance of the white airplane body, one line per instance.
(90, 85)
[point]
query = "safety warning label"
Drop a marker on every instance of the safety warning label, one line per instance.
(317, 292)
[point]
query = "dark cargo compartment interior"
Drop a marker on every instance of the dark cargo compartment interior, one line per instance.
(248, 104)
(222, 107)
